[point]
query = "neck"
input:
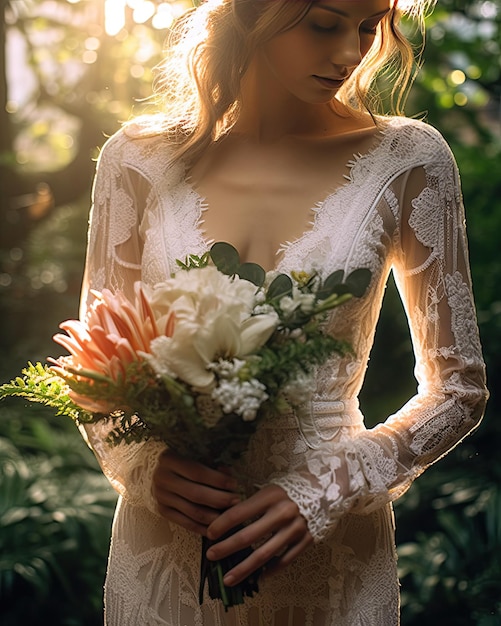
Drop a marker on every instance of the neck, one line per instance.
(269, 112)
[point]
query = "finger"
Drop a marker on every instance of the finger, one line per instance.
(243, 538)
(172, 515)
(270, 514)
(280, 550)
(196, 472)
(199, 515)
(283, 525)
(286, 558)
(198, 493)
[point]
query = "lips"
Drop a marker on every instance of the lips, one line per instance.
(329, 83)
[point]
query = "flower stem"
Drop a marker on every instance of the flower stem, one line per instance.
(222, 586)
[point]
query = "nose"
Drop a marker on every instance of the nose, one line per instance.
(347, 50)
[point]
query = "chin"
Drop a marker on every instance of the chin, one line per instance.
(320, 99)
(322, 96)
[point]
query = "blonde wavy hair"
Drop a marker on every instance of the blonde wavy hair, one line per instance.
(211, 46)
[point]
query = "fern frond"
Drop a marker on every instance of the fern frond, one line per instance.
(40, 385)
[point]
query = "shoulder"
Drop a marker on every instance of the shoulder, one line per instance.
(140, 147)
(415, 141)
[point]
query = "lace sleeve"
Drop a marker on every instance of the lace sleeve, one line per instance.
(113, 261)
(432, 272)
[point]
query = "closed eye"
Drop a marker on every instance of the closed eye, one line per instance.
(324, 29)
(371, 26)
(370, 30)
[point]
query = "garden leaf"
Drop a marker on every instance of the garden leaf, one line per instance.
(332, 284)
(358, 281)
(252, 272)
(281, 286)
(225, 257)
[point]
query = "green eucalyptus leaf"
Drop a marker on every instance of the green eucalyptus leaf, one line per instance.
(332, 284)
(281, 286)
(225, 257)
(252, 272)
(358, 281)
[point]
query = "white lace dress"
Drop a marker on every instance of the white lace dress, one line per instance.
(399, 210)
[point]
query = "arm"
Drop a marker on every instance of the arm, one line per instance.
(432, 273)
(371, 469)
(114, 261)
(145, 474)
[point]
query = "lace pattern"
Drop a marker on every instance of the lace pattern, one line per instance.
(399, 210)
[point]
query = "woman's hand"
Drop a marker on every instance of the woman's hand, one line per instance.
(278, 528)
(191, 494)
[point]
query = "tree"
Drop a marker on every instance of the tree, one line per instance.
(84, 80)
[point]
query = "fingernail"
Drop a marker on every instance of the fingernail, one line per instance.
(210, 554)
(229, 579)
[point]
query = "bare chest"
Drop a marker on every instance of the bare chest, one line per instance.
(259, 199)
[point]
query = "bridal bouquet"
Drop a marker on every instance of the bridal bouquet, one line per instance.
(196, 362)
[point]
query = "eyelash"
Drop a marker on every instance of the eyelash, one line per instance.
(331, 29)
(323, 29)
(370, 30)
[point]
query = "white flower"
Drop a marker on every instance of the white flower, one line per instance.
(306, 302)
(225, 368)
(288, 305)
(241, 397)
(255, 332)
(300, 389)
(260, 296)
(213, 319)
(261, 309)
(299, 300)
(269, 278)
(159, 356)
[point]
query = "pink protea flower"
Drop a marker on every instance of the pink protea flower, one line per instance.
(115, 333)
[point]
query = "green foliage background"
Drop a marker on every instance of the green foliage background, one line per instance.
(55, 506)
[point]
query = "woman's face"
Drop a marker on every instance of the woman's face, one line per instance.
(313, 59)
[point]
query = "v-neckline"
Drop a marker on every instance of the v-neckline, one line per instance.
(201, 205)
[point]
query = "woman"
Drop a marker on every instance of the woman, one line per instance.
(256, 148)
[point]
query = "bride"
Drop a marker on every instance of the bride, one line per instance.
(268, 140)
